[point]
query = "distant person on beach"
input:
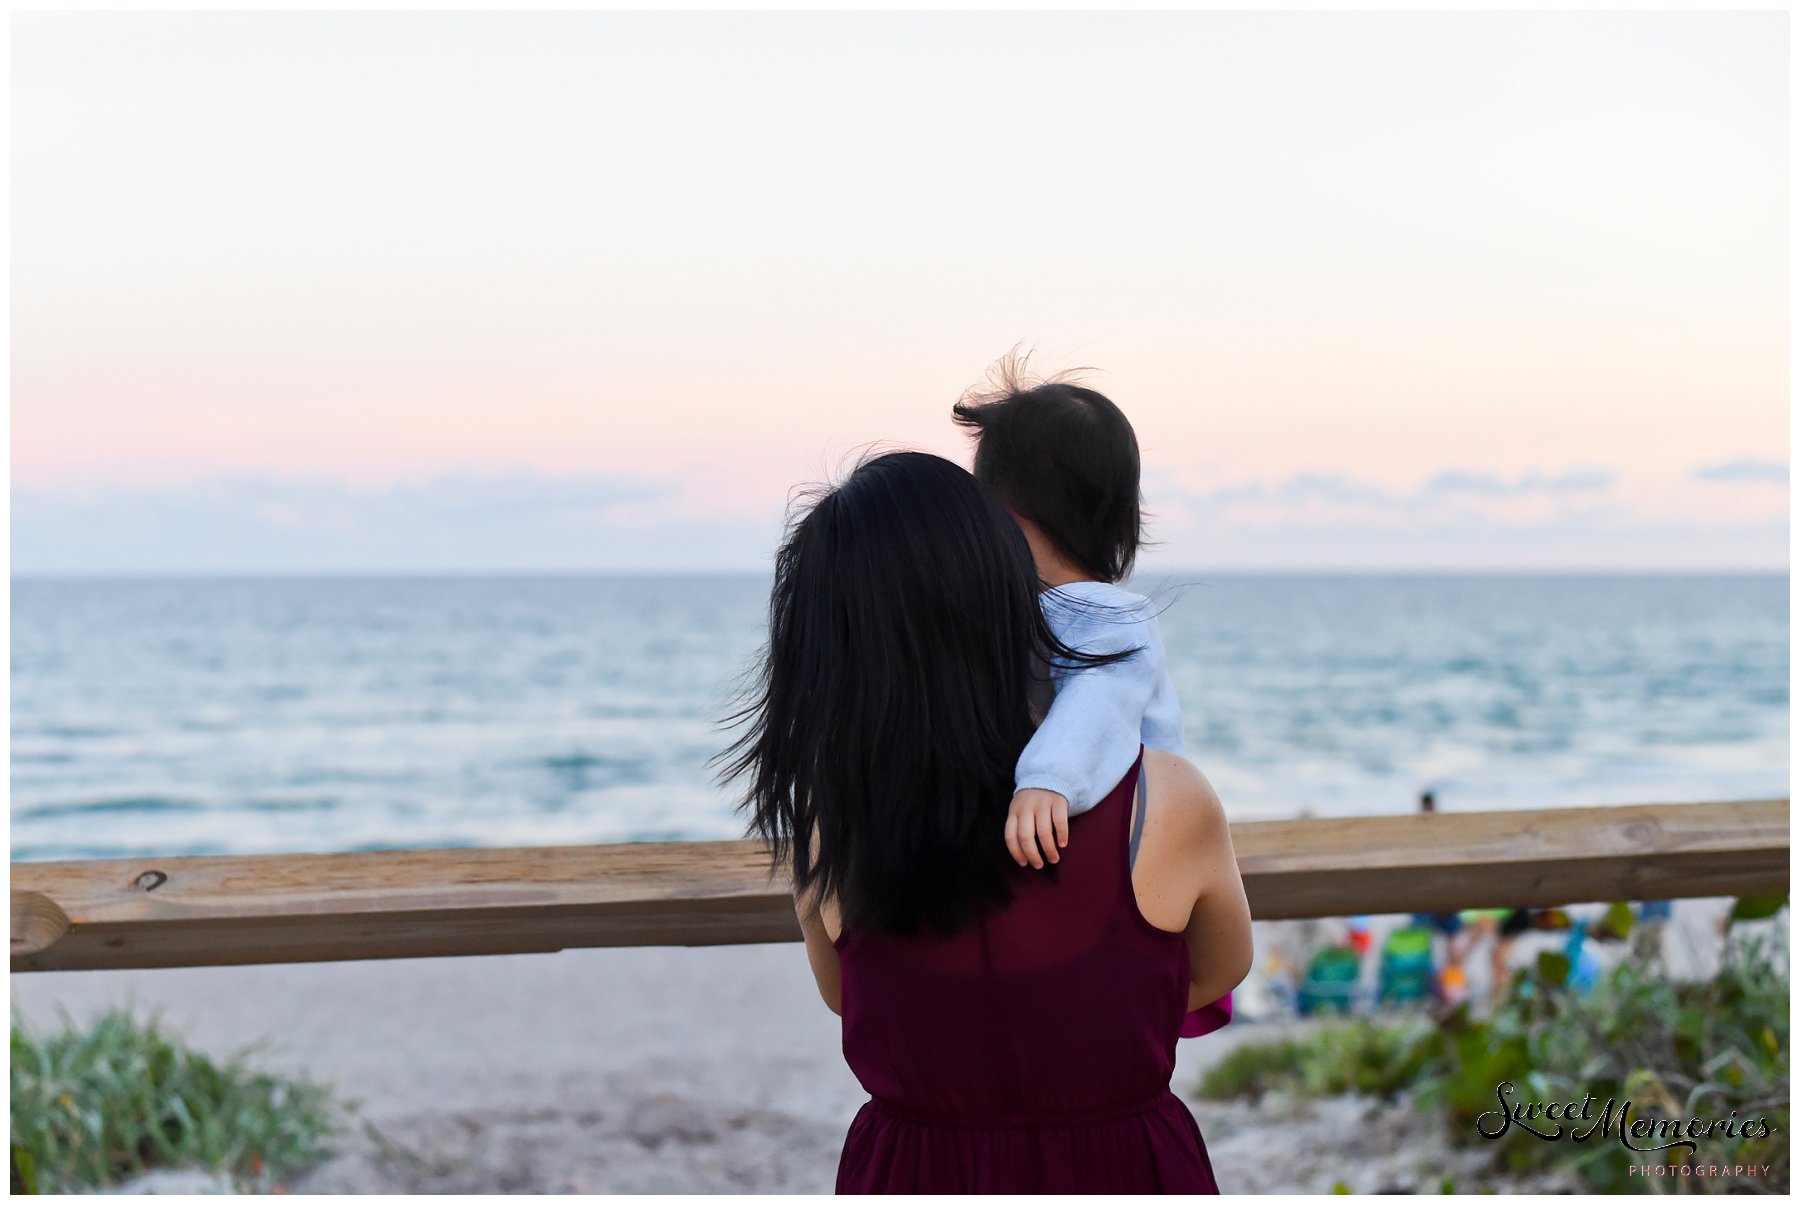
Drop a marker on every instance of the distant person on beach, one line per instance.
(1015, 1028)
(1451, 924)
(1063, 459)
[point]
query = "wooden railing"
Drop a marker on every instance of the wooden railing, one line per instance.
(165, 912)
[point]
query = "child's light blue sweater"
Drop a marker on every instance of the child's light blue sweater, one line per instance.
(1090, 737)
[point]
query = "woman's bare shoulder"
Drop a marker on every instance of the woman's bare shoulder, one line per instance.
(1178, 789)
(1184, 834)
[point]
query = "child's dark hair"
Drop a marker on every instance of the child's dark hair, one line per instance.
(1063, 456)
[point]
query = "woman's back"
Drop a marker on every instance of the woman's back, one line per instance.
(1032, 1050)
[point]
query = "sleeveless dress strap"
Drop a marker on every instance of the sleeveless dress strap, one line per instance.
(1137, 823)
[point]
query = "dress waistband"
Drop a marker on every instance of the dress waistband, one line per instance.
(1050, 1121)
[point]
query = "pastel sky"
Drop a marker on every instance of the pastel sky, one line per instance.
(457, 291)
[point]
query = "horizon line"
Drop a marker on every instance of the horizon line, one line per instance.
(107, 575)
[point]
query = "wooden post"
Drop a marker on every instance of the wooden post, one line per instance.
(164, 912)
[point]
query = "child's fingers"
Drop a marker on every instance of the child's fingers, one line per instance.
(1046, 834)
(1023, 842)
(1028, 841)
(1059, 816)
(1012, 839)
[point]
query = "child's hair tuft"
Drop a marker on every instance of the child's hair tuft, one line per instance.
(1063, 456)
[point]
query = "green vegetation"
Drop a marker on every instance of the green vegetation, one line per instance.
(1710, 1050)
(1371, 1057)
(91, 1108)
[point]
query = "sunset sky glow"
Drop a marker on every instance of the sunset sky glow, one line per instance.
(460, 291)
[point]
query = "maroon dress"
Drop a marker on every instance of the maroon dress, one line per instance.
(1030, 1052)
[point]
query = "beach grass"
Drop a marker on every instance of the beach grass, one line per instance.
(1713, 1049)
(1363, 1055)
(95, 1105)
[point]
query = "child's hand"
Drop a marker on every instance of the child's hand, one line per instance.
(1037, 818)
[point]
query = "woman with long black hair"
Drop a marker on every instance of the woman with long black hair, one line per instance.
(1015, 1028)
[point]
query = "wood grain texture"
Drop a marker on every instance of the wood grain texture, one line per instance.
(160, 912)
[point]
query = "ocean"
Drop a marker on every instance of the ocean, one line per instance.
(257, 715)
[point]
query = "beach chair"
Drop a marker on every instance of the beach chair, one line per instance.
(1330, 982)
(1407, 967)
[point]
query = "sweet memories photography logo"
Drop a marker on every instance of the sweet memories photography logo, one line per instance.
(1578, 1121)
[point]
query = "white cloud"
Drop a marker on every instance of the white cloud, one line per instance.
(1744, 470)
(516, 520)
(1309, 489)
(1457, 519)
(527, 521)
(1453, 481)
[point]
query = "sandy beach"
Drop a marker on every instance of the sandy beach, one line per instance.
(641, 1070)
(635, 1070)
(652, 1070)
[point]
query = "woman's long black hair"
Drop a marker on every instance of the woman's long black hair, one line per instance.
(894, 696)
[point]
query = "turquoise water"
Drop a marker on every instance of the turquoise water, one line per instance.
(256, 715)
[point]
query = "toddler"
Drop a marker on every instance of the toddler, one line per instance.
(1064, 459)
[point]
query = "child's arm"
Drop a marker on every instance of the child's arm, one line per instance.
(1090, 737)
